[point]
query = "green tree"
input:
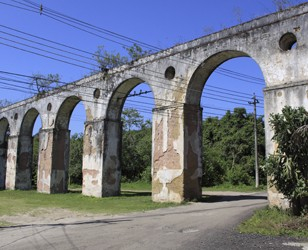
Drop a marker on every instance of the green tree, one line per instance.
(76, 152)
(228, 148)
(288, 166)
(136, 147)
(43, 83)
(35, 160)
(135, 52)
(131, 119)
(107, 60)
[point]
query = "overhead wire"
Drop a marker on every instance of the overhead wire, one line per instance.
(105, 31)
(155, 72)
(224, 100)
(220, 70)
(49, 52)
(216, 71)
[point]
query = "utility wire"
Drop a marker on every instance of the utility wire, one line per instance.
(223, 71)
(64, 83)
(226, 99)
(227, 72)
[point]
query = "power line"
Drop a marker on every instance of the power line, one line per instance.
(99, 29)
(227, 99)
(64, 83)
(49, 57)
(216, 71)
(49, 52)
(222, 71)
(47, 40)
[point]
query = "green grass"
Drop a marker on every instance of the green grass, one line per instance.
(275, 222)
(16, 202)
(238, 188)
(138, 186)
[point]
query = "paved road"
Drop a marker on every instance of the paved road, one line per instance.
(196, 226)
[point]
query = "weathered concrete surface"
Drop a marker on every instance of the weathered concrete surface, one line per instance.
(53, 161)
(3, 151)
(100, 149)
(277, 43)
(10, 180)
(24, 162)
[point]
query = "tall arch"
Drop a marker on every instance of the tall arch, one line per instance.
(54, 151)
(118, 98)
(25, 151)
(203, 72)
(192, 141)
(103, 140)
(4, 131)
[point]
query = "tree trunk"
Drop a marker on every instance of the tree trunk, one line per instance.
(298, 205)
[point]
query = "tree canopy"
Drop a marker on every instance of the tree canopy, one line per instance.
(43, 83)
(108, 60)
(288, 166)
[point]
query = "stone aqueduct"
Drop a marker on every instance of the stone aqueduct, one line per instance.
(177, 77)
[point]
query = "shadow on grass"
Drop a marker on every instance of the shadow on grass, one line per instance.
(75, 191)
(135, 193)
(124, 193)
(223, 198)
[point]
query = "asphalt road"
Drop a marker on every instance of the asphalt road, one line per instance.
(206, 225)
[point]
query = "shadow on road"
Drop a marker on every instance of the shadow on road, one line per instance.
(223, 197)
(104, 221)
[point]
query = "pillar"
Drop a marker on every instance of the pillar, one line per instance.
(53, 161)
(101, 158)
(11, 163)
(24, 162)
(176, 153)
(3, 159)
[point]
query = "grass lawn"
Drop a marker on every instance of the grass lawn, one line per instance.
(273, 221)
(239, 188)
(137, 186)
(15, 202)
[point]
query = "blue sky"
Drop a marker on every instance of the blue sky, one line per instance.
(160, 23)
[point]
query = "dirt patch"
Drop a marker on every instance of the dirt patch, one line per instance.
(45, 216)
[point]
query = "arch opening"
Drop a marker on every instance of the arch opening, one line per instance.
(224, 87)
(76, 127)
(4, 134)
(132, 105)
(27, 152)
(67, 153)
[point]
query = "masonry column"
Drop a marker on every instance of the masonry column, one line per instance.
(101, 158)
(176, 153)
(53, 161)
(24, 162)
(3, 159)
(11, 162)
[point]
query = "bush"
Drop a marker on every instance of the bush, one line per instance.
(237, 175)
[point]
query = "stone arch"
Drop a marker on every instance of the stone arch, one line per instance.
(105, 138)
(4, 131)
(193, 99)
(119, 95)
(65, 111)
(25, 151)
(203, 72)
(60, 147)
